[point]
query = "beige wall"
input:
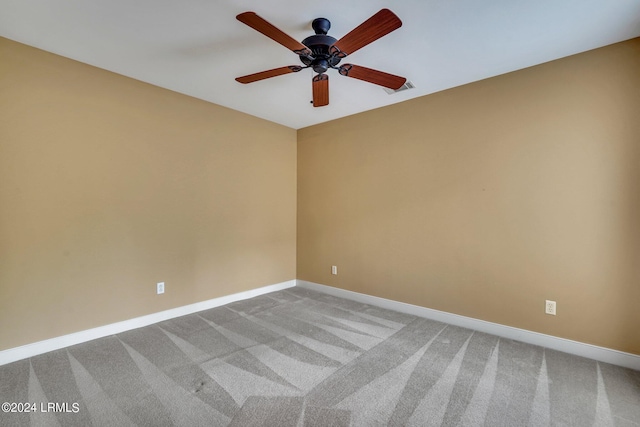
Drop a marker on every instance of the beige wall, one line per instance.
(483, 200)
(487, 199)
(109, 185)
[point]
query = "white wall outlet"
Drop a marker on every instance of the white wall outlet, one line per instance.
(550, 307)
(160, 288)
(334, 269)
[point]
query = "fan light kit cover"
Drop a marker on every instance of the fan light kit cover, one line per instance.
(322, 52)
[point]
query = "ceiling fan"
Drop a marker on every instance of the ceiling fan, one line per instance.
(322, 52)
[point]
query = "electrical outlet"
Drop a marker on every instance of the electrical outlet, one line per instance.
(334, 269)
(160, 288)
(550, 307)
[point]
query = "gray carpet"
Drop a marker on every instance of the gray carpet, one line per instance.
(301, 358)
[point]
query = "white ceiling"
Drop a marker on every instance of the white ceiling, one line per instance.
(197, 47)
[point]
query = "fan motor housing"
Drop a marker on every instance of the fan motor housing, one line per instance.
(320, 60)
(319, 44)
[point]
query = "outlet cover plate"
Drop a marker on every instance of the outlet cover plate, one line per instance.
(550, 307)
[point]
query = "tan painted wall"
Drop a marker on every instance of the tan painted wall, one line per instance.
(487, 199)
(483, 200)
(109, 185)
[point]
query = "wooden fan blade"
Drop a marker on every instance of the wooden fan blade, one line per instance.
(269, 30)
(268, 74)
(320, 90)
(372, 76)
(379, 25)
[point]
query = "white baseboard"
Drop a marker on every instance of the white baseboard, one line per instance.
(601, 354)
(29, 350)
